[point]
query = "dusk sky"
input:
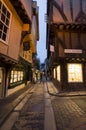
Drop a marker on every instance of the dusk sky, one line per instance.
(41, 44)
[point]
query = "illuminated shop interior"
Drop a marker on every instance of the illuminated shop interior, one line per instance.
(75, 73)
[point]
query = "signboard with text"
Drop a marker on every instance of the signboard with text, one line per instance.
(73, 51)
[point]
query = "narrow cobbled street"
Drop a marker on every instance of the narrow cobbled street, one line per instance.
(32, 115)
(44, 110)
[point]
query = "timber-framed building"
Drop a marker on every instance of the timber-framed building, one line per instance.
(19, 32)
(66, 43)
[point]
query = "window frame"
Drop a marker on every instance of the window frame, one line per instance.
(4, 24)
(16, 76)
(74, 73)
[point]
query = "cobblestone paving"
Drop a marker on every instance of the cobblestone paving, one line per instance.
(67, 113)
(32, 115)
(80, 101)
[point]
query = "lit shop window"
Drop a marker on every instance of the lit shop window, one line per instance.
(54, 71)
(58, 73)
(75, 73)
(11, 80)
(4, 21)
(0, 75)
(16, 76)
(19, 75)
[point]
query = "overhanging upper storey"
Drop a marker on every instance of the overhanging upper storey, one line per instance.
(22, 7)
(68, 11)
(36, 14)
(80, 27)
(67, 15)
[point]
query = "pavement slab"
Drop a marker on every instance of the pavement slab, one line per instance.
(49, 114)
(68, 114)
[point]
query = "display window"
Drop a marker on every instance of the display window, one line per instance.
(75, 73)
(54, 73)
(58, 73)
(16, 76)
(0, 75)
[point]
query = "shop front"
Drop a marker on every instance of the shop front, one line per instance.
(1, 78)
(70, 76)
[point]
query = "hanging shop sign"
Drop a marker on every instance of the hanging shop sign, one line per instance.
(52, 48)
(26, 46)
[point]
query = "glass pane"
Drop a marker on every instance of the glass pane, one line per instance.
(0, 75)
(19, 75)
(54, 73)
(4, 36)
(12, 76)
(1, 26)
(58, 73)
(4, 9)
(3, 17)
(15, 76)
(12, 72)
(7, 22)
(75, 73)
(4, 21)
(5, 29)
(8, 14)
(11, 80)
(0, 34)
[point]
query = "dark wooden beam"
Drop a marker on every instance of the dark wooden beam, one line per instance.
(20, 10)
